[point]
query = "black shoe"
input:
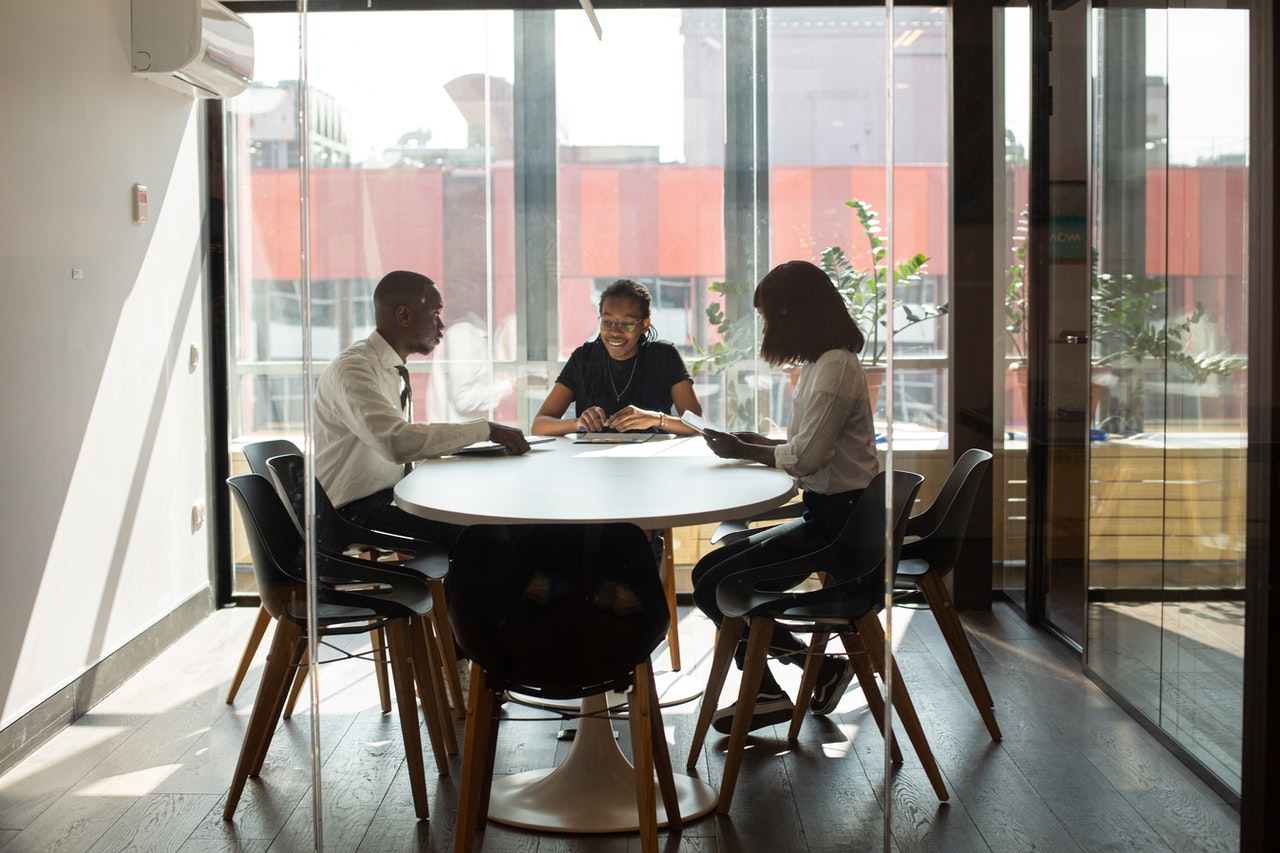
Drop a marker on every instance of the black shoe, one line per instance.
(833, 680)
(771, 708)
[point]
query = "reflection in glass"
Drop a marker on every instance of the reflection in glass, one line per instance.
(524, 165)
(1166, 504)
(1012, 304)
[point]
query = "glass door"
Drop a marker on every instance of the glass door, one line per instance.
(1013, 300)
(524, 165)
(1167, 467)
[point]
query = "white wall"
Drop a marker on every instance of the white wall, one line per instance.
(103, 424)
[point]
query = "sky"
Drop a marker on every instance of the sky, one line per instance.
(619, 90)
(610, 91)
(1190, 48)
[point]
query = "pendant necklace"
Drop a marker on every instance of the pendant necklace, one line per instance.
(617, 395)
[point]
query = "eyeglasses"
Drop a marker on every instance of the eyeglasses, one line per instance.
(611, 325)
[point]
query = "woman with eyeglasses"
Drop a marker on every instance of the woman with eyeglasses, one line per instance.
(624, 380)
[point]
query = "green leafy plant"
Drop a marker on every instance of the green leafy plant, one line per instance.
(865, 294)
(1015, 295)
(1129, 326)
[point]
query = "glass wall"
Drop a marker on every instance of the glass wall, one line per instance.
(524, 164)
(1012, 299)
(690, 150)
(1167, 490)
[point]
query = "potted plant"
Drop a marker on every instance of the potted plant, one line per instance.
(1015, 326)
(865, 294)
(1129, 326)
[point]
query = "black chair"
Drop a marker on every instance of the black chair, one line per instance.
(399, 605)
(848, 605)
(927, 561)
(559, 611)
(734, 529)
(257, 455)
(417, 558)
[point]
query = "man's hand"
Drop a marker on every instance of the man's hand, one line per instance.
(509, 437)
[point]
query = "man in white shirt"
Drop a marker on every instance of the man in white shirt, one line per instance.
(364, 435)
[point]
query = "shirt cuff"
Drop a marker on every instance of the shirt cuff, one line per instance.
(477, 430)
(785, 456)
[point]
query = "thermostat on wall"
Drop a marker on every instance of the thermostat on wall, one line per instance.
(139, 203)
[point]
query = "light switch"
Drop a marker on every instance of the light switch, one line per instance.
(139, 203)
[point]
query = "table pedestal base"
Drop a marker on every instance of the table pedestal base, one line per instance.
(591, 791)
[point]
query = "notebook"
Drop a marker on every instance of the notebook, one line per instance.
(613, 437)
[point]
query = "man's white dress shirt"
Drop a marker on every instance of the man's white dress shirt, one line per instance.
(363, 438)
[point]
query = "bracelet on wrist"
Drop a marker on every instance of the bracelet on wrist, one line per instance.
(662, 420)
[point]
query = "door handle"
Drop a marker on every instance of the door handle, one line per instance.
(1074, 337)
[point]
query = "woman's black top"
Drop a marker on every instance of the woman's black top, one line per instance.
(644, 380)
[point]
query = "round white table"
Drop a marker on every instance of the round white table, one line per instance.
(660, 483)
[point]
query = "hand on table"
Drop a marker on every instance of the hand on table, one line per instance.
(629, 418)
(592, 420)
(509, 437)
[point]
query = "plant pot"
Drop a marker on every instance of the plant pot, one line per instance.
(1015, 393)
(875, 380)
(1100, 379)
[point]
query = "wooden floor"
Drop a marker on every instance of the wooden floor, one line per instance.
(148, 768)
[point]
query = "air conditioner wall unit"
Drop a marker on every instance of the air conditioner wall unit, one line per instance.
(199, 47)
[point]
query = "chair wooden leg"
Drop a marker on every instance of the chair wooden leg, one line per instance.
(260, 625)
(299, 679)
(812, 665)
(490, 759)
(400, 656)
(758, 639)
(266, 708)
(448, 653)
(436, 673)
(438, 719)
(872, 635)
(935, 593)
(726, 641)
(662, 759)
(378, 643)
(479, 745)
(871, 690)
(638, 717)
(668, 571)
(298, 651)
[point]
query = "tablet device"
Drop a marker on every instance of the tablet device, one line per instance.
(483, 447)
(698, 422)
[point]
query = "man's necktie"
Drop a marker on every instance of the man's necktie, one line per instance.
(406, 392)
(406, 403)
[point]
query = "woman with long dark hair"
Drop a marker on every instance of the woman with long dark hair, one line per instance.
(830, 450)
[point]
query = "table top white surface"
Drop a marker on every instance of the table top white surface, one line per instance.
(655, 484)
